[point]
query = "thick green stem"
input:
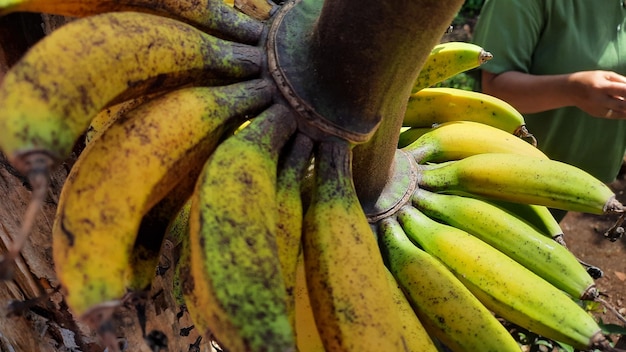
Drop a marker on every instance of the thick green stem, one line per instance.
(367, 54)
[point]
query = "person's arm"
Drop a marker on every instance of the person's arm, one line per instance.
(595, 92)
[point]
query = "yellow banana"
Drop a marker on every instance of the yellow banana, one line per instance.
(109, 115)
(416, 338)
(459, 139)
(523, 179)
(307, 335)
(129, 169)
(449, 59)
(503, 285)
(49, 97)
(292, 166)
(442, 303)
(236, 271)
(349, 292)
(213, 16)
(431, 106)
(513, 237)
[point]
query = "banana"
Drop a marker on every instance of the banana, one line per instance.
(345, 274)
(212, 16)
(523, 179)
(431, 106)
(46, 104)
(449, 59)
(109, 115)
(504, 286)
(442, 303)
(119, 177)
(292, 166)
(416, 338)
(307, 335)
(459, 139)
(543, 221)
(235, 268)
(512, 236)
(538, 216)
(410, 135)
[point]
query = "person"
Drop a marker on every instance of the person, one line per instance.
(562, 65)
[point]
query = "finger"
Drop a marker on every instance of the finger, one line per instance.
(615, 77)
(616, 90)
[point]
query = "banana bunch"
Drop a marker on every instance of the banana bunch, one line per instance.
(183, 137)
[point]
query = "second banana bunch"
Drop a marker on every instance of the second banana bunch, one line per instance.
(190, 145)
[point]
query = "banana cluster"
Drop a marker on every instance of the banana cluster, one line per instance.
(187, 140)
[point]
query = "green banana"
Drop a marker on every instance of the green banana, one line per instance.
(504, 286)
(522, 179)
(442, 303)
(512, 236)
(237, 283)
(538, 216)
(292, 166)
(459, 139)
(49, 97)
(431, 106)
(120, 176)
(543, 221)
(416, 338)
(449, 59)
(409, 135)
(212, 16)
(345, 274)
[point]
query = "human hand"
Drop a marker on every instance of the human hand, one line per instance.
(599, 93)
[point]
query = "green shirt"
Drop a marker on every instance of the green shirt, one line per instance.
(554, 37)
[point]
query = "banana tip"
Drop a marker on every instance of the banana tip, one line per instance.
(484, 57)
(613, 206)
(522, 132)
(590, 294)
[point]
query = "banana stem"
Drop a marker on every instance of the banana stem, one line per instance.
(366, 67)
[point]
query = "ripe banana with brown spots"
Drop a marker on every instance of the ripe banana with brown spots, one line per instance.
(236, 282)
(292, 167)
(212, 16)
(346, 278)
(119, 177)
(49, 97)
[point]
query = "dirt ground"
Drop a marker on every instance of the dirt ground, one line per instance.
(584, 235)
